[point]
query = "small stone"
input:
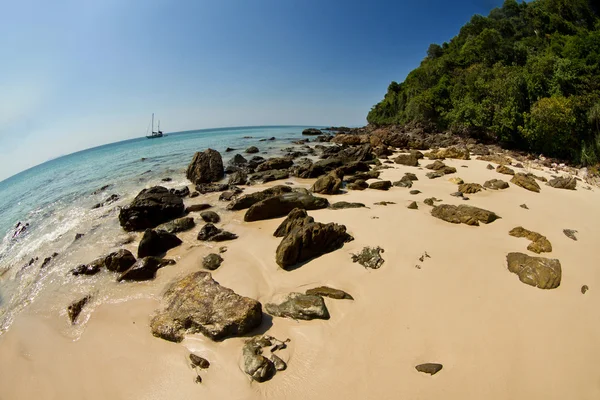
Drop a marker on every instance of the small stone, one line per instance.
(199, 362)
(456, 181)
(381, 185)
(212, 261)
(429, 368)
(413, 206)
(469, 188)
(384, 203)
(584, 289)
(490, 166)
(210, 216)
(222, 249)
(75, 308)
(524, 206)
(415, 191)
(299, 306)
(570, 233)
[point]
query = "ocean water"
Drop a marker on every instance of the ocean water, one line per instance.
(56, 200)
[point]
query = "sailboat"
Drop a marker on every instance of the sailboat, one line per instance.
(155, 134)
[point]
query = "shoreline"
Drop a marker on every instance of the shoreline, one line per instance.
(496, 337)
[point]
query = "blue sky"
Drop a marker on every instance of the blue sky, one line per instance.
(80, 73)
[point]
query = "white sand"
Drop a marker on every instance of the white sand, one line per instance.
(496, 337)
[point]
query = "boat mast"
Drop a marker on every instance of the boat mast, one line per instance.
(152, 122)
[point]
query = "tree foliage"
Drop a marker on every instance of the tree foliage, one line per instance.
(528, 74)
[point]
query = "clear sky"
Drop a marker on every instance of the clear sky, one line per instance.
(79, 73)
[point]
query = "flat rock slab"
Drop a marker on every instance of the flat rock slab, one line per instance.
(197, 303)
(299, 306)
(463, 214)
(570, 233)
(325, 291)
(539, 243)
(563, 182)
(526, 182)
(279, 206)
(544, 273)
(246, 201)
(340, 205)
(429, 368)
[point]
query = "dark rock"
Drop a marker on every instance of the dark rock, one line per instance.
(254, 162)
(206, 167)
(410, 176)
(75, 308)
(384, 203)
(433, 175)
(278, 206)
(197, 208)
(78, 236)
(150, 208)
(229, 195)
(119, 261)
(204, 188)
(183, 192)
(275, 163)
(194, 194)
(269, 176)
(503, 169)
(212, 261)
(237, 161)
(564, 182)
(155, 243)
(325, 291)
(47, 260)
(166, 180)
(540, 272)
(310, 241)
(570, 233)
(211, 233)
(469, 188)
(297, 218)
(210, 216)
(429, 368)
(196, 303)
(415, 192)
(252, 150)
(299, 306)
(380, 185)
(228, 150)
(178, 225)
(413, 206)
(407, 159)
(355, 153)
(463, 214)
(87, 269)
(238, 177)
(328, 184)
(524, 206)
(111, 199)
(457, 194)
(369, 257)
(312, 132)
(490, 166)
(430, 201)
(404, 182)
(248, 200)
(441, 168)
(359, 184)
(584, 289)
(495, 184)
(260, 368)
(526, 182)
(344, 204)
(539, 244)
(279, 364)
(144, 269)
(102, 189)
(199, 362)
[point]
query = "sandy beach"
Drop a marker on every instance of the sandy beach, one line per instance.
(496, 337)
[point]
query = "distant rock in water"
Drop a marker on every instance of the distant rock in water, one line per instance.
(544, 273)
(206, 167)
(312, 132)
(252, 150)
(198, 304)
(150, 208)
(111, 199)
(155, 243)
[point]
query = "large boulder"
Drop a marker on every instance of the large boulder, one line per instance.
(297, 218)
(495, 184)
(144, 269)
(247, 200)
(178, 225)
(155, 243)
(463, 214)
(279, 206)
(526, 182)
(299, 306)
(563, 182)
(544, 273)
(310, 241)
(275, 163)
(150, 208)
(206, 167)
(312, 132)
(539, 243)
(410, 160)
(239, 177)
(328, 184)
(355, 153)
(196, 303)
(381, 185)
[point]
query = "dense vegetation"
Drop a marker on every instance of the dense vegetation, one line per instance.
(528, 75)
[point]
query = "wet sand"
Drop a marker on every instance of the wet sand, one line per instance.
(496, 337)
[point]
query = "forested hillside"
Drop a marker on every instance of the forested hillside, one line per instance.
(528, 75)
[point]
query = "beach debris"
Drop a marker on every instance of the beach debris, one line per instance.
(252, 150)
(424, 256)
(460, 153)
(340, 205)
(144, 269)
(570, 233)
(299, 306)
(429, 368)
(495, 184)
(544, 273)
(469, 188)
(211, 233)
(526, 182)
(198, 304)
(197, 208)
(310, 241)
(329, 184)
(279, 206)
(150, 208)
(381, 185)
(157, 242)
(409, 160)
(247, 200)
(210, 216)
(413, 206)
(369, 257)
(464, 214)
(326, 291)
(177, 225)
(563, 182)
(212, 261)
(584, 289)
(503, 169)
(257, 366)
(524, 206)
(75, 308)
(205, 167)
(111, 199)
(539, 244)
(297, 218)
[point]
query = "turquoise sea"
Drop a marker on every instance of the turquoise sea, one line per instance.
(55, 199)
